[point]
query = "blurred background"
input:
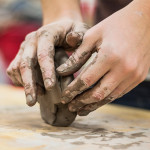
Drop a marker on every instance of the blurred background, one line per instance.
(20, 17)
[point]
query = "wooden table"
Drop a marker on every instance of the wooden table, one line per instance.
(110, 127)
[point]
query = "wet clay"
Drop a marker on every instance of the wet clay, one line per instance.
(52, 110)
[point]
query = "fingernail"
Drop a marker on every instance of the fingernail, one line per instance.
(48, 84)
(63, 102)
(61, 68)
(30, 100)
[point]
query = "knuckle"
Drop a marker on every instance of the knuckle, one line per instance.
(87, 80)
(27, 87)
(27, 63)
(42, 55)
(113, 56)
(110, 54)
(42, 32)
(9, 71)
(101, 93)
(132, 69)
(15, 68)
(24, 65)
(97, 96)
(130, 66)
(73, 59)
(30, 35)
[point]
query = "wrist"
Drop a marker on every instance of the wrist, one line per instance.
(76, 16)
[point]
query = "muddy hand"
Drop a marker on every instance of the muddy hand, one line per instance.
(39, 47)
(121, 63)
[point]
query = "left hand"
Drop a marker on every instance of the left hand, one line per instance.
(122, 42)
(39, 49)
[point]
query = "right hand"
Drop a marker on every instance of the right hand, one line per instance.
(39, 47)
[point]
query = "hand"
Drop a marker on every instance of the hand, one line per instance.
(122, 43)
(39, 47)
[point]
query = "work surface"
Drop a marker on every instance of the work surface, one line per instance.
(110, 127)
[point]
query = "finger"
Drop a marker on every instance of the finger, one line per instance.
(91, 107)
(27, 69)
(75, 37)
(103, 88)
(13, 69)
(124, 87)
(77, 59)
(89, 76)
(45, 55)
(118, 92)
(128, 89)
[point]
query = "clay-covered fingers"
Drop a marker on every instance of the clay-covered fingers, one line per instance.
(75, 36)
(45, 54)
(77, 59)
(27, 69)
(98, 93)
(66, 33)
(116, 93)
(113, 85)
(88, 77)
(120, 91)
(13, 70)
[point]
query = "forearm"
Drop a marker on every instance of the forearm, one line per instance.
(55, 9)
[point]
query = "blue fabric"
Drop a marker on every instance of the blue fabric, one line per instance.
(138, 97)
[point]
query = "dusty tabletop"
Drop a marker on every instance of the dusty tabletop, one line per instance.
(110, 127)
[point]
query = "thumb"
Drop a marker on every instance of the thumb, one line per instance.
(77, 59)
(75, 37)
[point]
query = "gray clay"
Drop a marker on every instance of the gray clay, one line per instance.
(52, 111)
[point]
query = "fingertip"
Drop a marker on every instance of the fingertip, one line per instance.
(65, 100)
(74, 39)
(49, 84)
(83, 113)
(30, 101)
(63, 70)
